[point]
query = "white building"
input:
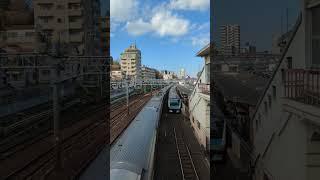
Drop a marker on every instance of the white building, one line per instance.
(167, 74)
(199, 102)
(131, 62)
(117, 75)
(286, 123)
(148, 73)
(74, 24)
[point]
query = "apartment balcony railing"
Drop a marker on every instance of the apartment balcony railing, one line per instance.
(76, 25)
(75, 12)
(204, 88)
(302, 85)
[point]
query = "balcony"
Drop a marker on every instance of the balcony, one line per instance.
(42, 12)
(75, 12)
(77, 38)
(302, 85)
(76, 25)
(204, 88)
(302, 94)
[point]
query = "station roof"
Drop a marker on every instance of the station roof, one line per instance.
(205, 51)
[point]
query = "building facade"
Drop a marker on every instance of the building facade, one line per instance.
(17, 33)
(148, 73)
(167, 74)
(182, 73)
(130, 61)
(287, 119)
(230, 39)
(70, 26)
(199, 102)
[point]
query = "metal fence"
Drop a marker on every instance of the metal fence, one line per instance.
(302, 85)
(204, 88)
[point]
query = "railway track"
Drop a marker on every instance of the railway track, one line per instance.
(44, 149)
(187, 167)
(37, 129)
(120, 119)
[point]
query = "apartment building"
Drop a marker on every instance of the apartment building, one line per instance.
(167, 74)
(104, 26)
(148, 73)
(17, 32)
(72, 26)
(230, 39)
(199, 102)
(130, 61)
(287, 118)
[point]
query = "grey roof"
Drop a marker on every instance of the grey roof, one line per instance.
(133, 150)
(204, 51)
(245, 87)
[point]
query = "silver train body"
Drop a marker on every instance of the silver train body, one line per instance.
(174, 101)
(132, 155)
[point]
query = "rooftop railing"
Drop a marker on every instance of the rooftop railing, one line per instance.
(204, 88)
(302, 85)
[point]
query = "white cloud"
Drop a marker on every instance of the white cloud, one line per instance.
(123, 10)
(165, 23)
(190, 4)
(138, 27)
(201, 40)
(162, 23)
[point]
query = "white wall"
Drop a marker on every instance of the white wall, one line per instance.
(285, 158)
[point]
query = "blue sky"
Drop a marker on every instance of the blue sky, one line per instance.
(169, 33)
(259, 20)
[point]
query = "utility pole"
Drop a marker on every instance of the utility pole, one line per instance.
(56, 117)
(127, 82)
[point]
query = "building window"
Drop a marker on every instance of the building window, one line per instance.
(45, 6)
(29, 34)
(45, 19)
(74, 6)
(60, 7)
(59, 20)
(12, 34)
(274, 92)
(73, 19)
(316, 36)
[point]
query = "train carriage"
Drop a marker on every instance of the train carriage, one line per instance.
(132, 155)
(174, 101)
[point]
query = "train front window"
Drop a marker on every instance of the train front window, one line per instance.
(174, 102)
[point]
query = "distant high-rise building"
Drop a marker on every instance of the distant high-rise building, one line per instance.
(131, 62)
(182, 73)
(72, 25)
(230, 40)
